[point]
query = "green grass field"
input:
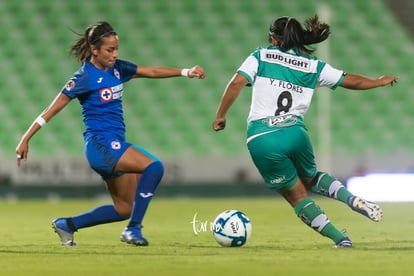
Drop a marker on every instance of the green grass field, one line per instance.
(280, 243)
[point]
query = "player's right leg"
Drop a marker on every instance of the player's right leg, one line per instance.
(66, 227)
(324, 184)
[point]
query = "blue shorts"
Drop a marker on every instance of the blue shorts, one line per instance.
(103, 153)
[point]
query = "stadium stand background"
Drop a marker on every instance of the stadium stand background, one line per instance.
(172, 117)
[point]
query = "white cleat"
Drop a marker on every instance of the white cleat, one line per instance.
(64, 233)
(369, 209)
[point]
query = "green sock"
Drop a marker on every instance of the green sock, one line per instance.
(313, 216)
(328, 186)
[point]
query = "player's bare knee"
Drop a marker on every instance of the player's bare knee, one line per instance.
(124, 209)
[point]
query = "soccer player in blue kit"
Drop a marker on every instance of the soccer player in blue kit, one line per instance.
(98, 85)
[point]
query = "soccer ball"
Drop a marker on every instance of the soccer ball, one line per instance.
(232, 228)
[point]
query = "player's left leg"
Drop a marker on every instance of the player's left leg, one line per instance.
(132, 161)
(312, 215)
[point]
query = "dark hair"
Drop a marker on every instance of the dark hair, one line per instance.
(92, 36)
(290, 34)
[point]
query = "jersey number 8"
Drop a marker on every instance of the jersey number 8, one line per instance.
(284, 103)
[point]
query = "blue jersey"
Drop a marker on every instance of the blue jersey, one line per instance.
(100, 95)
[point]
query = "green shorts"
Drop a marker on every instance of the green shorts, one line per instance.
(281, 150)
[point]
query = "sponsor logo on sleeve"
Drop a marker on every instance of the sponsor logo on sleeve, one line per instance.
(70, 84)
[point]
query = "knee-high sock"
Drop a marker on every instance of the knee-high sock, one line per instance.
(99, 215)
(147, 184)
(326, 185)
(314, 217)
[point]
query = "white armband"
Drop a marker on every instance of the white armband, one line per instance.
(40, 121)
(184, 72)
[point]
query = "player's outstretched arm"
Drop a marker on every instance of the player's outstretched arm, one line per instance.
(231, 93)
(57, 105)
(167, 72)
(358, 82)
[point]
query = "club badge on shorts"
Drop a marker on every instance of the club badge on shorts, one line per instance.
(116, 145)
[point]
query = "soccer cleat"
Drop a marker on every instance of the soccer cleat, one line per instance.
(61, 228)
(366, 208)
(133, 235)
(344, 242)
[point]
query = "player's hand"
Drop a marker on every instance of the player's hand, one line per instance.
(21, 150)
(219, 124)
(388, 80)
(196, 72)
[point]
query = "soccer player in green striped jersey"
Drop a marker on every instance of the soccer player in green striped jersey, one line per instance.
(284, 77)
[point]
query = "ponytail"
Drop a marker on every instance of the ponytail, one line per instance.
(290, 34)
(315, 31)
(93, 35)
(80, 49)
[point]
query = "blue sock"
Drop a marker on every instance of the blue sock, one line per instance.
(146, 187)
(99, 215)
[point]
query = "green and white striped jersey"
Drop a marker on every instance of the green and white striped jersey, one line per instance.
(284, 82)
